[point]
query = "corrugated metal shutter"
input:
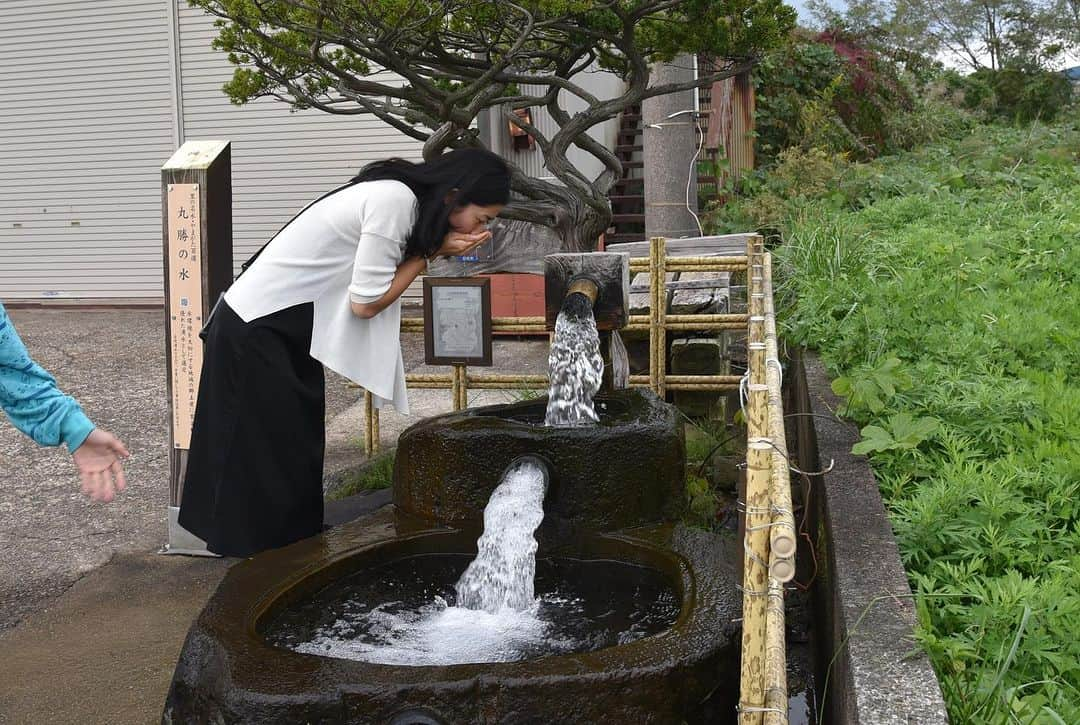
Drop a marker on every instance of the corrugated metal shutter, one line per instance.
(86, 122)
(281, 160)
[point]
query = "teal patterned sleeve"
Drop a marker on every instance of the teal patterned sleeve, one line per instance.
(30, 398)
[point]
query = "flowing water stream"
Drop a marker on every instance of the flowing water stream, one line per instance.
(575, 366)
(493, 612)
(502, 574)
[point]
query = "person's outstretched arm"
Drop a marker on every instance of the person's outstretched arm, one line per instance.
(36, 406)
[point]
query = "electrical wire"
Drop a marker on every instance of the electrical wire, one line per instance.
(691, 172)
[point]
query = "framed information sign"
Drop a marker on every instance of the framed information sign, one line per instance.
(457, 320)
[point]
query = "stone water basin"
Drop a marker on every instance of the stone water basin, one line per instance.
(229, 671)
(627, 470)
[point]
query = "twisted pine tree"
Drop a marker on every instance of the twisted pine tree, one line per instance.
(449, 60)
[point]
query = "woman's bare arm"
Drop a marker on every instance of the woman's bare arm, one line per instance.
(406, 272)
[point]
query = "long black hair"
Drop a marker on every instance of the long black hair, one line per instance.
(462, 176)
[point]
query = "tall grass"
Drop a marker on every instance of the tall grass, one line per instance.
(942, 289)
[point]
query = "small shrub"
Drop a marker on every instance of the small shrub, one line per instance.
(378, 473)
(827, 92)
(702, 502)
(1015, 93)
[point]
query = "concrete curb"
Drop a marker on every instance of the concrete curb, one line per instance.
(877, 673)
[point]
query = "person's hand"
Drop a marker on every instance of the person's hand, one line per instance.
(457, 244)
(98, 460)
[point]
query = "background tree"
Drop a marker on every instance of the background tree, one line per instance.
(455, 58)
(977, 34)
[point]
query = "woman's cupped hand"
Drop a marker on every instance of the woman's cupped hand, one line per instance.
(457, 244)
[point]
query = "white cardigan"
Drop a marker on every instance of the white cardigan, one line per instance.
(346, 245)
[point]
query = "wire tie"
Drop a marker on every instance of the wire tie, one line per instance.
(751, 592)
(754, 557)
(743, 508)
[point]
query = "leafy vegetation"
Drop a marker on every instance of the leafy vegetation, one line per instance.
(1013, 93)
(373, 475)
(942, 290)
(709, 484)
(833, 94)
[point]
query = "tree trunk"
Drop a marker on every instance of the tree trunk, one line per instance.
(580, 227)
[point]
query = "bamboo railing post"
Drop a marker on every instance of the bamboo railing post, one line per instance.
(755, 567)
(464, 389)
(369, 426)
(459, 387)
(657, 312)
(776, 696)
(375, 442)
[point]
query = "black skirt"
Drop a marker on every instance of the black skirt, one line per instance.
(254, 472)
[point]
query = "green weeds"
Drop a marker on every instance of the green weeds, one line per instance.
(942, 289)
(375, 474)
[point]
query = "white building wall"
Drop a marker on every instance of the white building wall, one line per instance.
(85, 125)
(90, 111)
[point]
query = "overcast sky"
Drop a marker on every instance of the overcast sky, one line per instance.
(804, 16)
(1065, 61)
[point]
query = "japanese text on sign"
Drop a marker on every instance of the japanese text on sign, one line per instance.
(184, 283)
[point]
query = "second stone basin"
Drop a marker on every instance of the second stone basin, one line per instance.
(628, 470)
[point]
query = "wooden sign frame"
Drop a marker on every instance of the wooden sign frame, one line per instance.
(457, 321)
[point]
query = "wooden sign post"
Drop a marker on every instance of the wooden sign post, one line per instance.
(196, 195)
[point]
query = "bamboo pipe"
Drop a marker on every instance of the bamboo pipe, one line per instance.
(686, 264)
(369, 428)
(658, 335)
(457, 386)
(776, 696)
(697, 379)
(496, 385)
(755, 571)
(416, 324)
(729, 259)
(783, 534)
(681, 264)
(373, 425)
(755, 350)
(498, 378)
(447, 378)
(689, 326)
(584, 286)
(703, 388)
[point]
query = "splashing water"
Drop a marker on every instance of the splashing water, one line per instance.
(575, 365)
(402, 612)
(501, 576)
(497, 616)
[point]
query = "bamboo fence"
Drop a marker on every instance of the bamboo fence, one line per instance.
(770, 535)
(769, 541)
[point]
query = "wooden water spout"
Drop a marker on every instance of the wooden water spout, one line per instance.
(604, 279)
